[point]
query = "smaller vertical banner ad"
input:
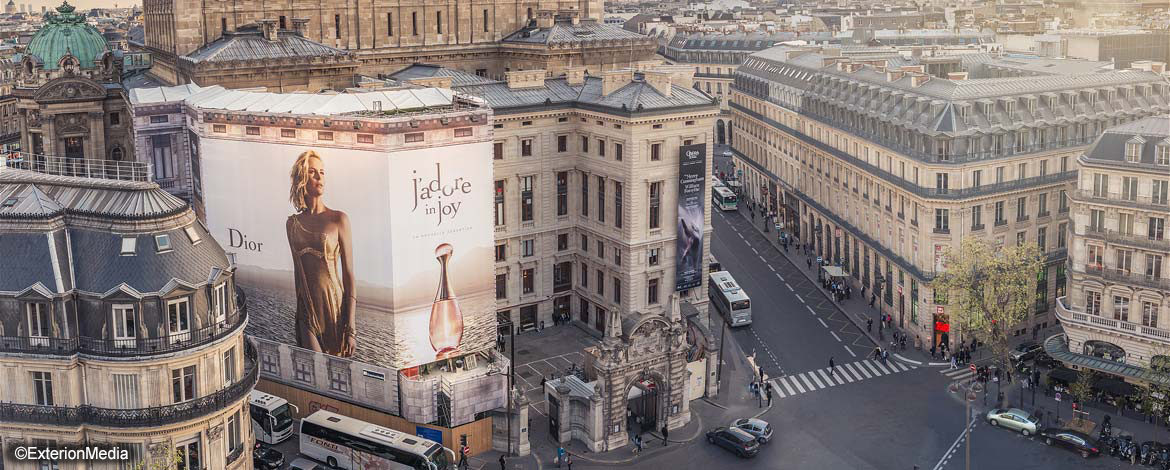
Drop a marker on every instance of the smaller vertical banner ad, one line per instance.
(692, 178)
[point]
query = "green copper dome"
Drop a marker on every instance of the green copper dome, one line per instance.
(67, 33)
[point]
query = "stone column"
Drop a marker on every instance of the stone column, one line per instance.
(712, 383)
(564, 431)
(520, 445)
(97, 135)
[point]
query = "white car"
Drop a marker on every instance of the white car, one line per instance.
(306, 464)
(726, 153)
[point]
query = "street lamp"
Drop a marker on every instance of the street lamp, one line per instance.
(511, 377)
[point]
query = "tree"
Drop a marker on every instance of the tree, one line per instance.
(1082, 388)
(171, 461)
(1153, 401)
(991, 290)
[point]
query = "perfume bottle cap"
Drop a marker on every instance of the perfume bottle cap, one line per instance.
(444, 249)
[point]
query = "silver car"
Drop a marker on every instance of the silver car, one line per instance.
(758, 428)
(1014, 419)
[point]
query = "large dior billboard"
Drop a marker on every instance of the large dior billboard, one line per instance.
(383, 257)
(692, 177)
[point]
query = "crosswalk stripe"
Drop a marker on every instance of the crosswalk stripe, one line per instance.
(844, 373)
(882, 368)
(869, 364)
(777, 389)
(816, 379)
(807, 382)
(901, 366)
(784, 382)
(796, 383)
(859, 368)
(830, 378)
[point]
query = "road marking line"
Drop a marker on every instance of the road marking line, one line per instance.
(741, 236)
(826, 325)
(826, 377)
(869, 364)
(779, 391)
(770, 267)
(901, 366)
(843, 373)
(838, 338)
(959, 439)
(863, 370)
(884, 368)
(762, 259)
(912, 361)
(796, 383)
(789, 286)
(754, 250)
(784, 382)
(810, 310)
(807, 382)
(800, 299)
(859, 375)
(779, 276)
(849, 350)
(814, 378)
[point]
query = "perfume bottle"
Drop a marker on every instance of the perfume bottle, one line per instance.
(446, 319)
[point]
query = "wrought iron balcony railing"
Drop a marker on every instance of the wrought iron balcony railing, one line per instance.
(130, 347)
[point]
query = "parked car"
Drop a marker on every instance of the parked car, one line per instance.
(306, 464)
(1025, 351)
(1073, 440)
(1014, 419)
(734, 439)
(726, 153)
(758, 428)
(266, 458)
(1046, 361)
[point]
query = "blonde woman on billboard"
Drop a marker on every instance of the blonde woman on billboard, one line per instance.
(322, 263)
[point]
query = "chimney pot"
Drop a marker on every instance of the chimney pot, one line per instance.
(613, 80)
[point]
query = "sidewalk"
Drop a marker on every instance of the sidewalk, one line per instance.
(734, 401)
(856, 309)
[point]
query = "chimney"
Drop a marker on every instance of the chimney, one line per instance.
(644, 65)
(270, 29)
(613, 80)
(575, 75)
(525, 79)
(917, 79)
(956, 75)
(914, 68)
(681, 75)
(660, 80)
(300, 25)
(894, 75)
(545, 19)
(431, 82)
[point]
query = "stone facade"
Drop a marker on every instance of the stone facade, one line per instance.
(882, 167)
(1118, 295)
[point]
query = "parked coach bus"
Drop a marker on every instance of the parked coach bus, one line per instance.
(729, 299)
(352, 444)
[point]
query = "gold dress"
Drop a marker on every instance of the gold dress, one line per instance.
(319, 289)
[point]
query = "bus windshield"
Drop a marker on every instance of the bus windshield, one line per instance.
(437, 455)
(282, 417)
(741, 304)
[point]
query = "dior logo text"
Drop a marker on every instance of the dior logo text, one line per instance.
(237, 239)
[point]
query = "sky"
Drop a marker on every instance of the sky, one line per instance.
(81, 4)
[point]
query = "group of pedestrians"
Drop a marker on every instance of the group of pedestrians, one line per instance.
(839, 289)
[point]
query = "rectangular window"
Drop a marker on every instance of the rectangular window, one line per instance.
(652, 256)
(183, 384)
(337, 26)
(1042, 204)
(125, 389)
(438, 22)
(1021, 209)
(179, 319)
(655, 204)
(976, 178)
(497, 151)
(38, 322)
(562, 143)
(941, 183)
(124, 326)
(485, 20)
(528, 280)
(369, 138)
(234, 437)
(1150, 314)
(1021, 237)
(1120, 308)
(1158, 191)
(601, 199)
(652, 292)
(562, 241)
(1093, 303)
(502, 252)
(528, 247)
(1154, 266)
(1061, 235)
(389, 24)
(1125, 223)
(1096, 256)
(1063, 201)
(655, 152)
(584, 145)
(526, 204)
(617, 204)
(976, 217)
(1021, 171)
(1042, 238)
(584, 194)
(999, 171)
(1129, 188)
(288, 133)
(600, 282)
(414, 23)
(525, 147)
(562, 193)
(252, 130)
(1000, 218)
(584, 275)
(617, 152)
(1124, 261)
(562, 276)
(229, 366)
(461, 132)
(324, 135)
(942, 221)
(601, 147)
(159, 119)
(499, 208)
(164, 164)
(617, 291)
(43, 388)
(1100, 185)
(1156, 228)
(601, 249)
(501, 286)
(414, 137)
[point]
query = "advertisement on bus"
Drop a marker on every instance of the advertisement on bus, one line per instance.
(383, 257)
(692, 178)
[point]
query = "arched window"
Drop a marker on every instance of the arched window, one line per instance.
(116, 154)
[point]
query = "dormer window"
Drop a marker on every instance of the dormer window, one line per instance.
(162, 243)
(192, 234)
(1162, 153)
(129, 245)
(1133, 150)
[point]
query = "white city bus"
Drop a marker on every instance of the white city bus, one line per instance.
(723, 198)
(272, 417)
(352, 444)
(729, 298)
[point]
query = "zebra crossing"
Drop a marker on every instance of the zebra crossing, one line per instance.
(958, 374)
(850, 372)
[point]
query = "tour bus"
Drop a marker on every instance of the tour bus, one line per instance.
(272, 417)
(723, 198)
(352, 444)
(729, 298)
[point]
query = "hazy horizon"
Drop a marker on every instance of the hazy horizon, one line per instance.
(80, 4)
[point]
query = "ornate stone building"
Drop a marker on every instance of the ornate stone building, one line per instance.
(1115, 315)
(69, 93)
(881, 166)
(119, 322)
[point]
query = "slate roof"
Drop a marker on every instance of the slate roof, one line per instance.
(563, 32)
(557, 91)
(248, 43)
(1149, 132)
(51, 247)
(458, 78)
(217, 97)
(163, 94)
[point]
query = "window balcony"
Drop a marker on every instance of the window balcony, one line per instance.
(1127, 239)
(1118, 276)
(1068, 315)
(138, 417)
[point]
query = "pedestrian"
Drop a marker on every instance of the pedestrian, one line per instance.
(868, 323)
(569, 460)
(932, 352)
(808, 261)
(665, 435)
(639, 442)
(954, 363)
(769, 390)
(831, 366)
(560, 456)
(871, 299)
(502, 462)
(885, 356)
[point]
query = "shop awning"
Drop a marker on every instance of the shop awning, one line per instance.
(834, 271)
(1117, 388)
(1057, 347)
(1063, 375)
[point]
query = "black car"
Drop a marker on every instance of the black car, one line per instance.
(1046, 361)
(266, 458)
(1026, 351)
(1073, 440)
(736, 440)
